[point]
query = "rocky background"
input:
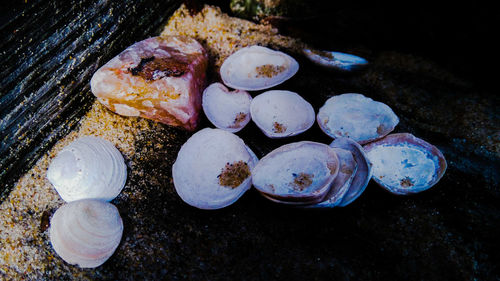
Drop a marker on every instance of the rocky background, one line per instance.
(49, 51)
(430, 64)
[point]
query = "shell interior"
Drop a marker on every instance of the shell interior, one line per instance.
(256, 68)
(342, 182)
(335, 60)
(86, 232)
(404, 164)
(227, 110)
(363, 172)
(89, 167)
(299, 173)
(357, 117)
(281, 113)
(213, 169)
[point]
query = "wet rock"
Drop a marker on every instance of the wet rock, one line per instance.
(157, 78)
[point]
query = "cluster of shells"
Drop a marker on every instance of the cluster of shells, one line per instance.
(215, 167)
(87, 174)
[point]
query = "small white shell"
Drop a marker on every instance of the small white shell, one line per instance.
(86, 232)
(281, 113)
(213, 169)
(256, 68)
(227, 110)
(404, 164)
(342, 182)
(363, 172)
(357, 117)
(89, 167)
(335, 60)
(297, 173)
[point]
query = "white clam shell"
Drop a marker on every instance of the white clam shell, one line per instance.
(363, 172)
(202, 173)
(227, 110)
(357, 117)
(335, 60)
(256, 68)
(297, 173)
(342, 182)
(281, 113)
(89, 167)
(404, 164)
(86, 232)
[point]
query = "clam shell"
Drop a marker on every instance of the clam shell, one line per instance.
(357, 117)
(86, 232)
(363, 171)
(281, 113)
(335, 60)
(89, 167)
(213, 169)
(256, 68)
(404, 164)
(227, 110)
(297, 173)
(342, 182)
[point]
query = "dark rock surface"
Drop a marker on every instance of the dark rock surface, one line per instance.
(49, 51)
(449, 232)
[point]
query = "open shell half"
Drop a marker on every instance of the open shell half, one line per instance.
(363, 172)
(342, 183)
(404, 164)
(335, 60)
(256, 68)
(297, 173)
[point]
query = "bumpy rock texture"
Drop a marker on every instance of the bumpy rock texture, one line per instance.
(160, 78)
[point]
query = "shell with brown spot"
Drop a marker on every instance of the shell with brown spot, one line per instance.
(297, 173)
(257, 68)
(335, 60)
(227, 110)
(213, 169)
(281, 113)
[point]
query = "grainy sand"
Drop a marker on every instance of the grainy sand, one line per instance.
(25, 250)
(223, 35)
